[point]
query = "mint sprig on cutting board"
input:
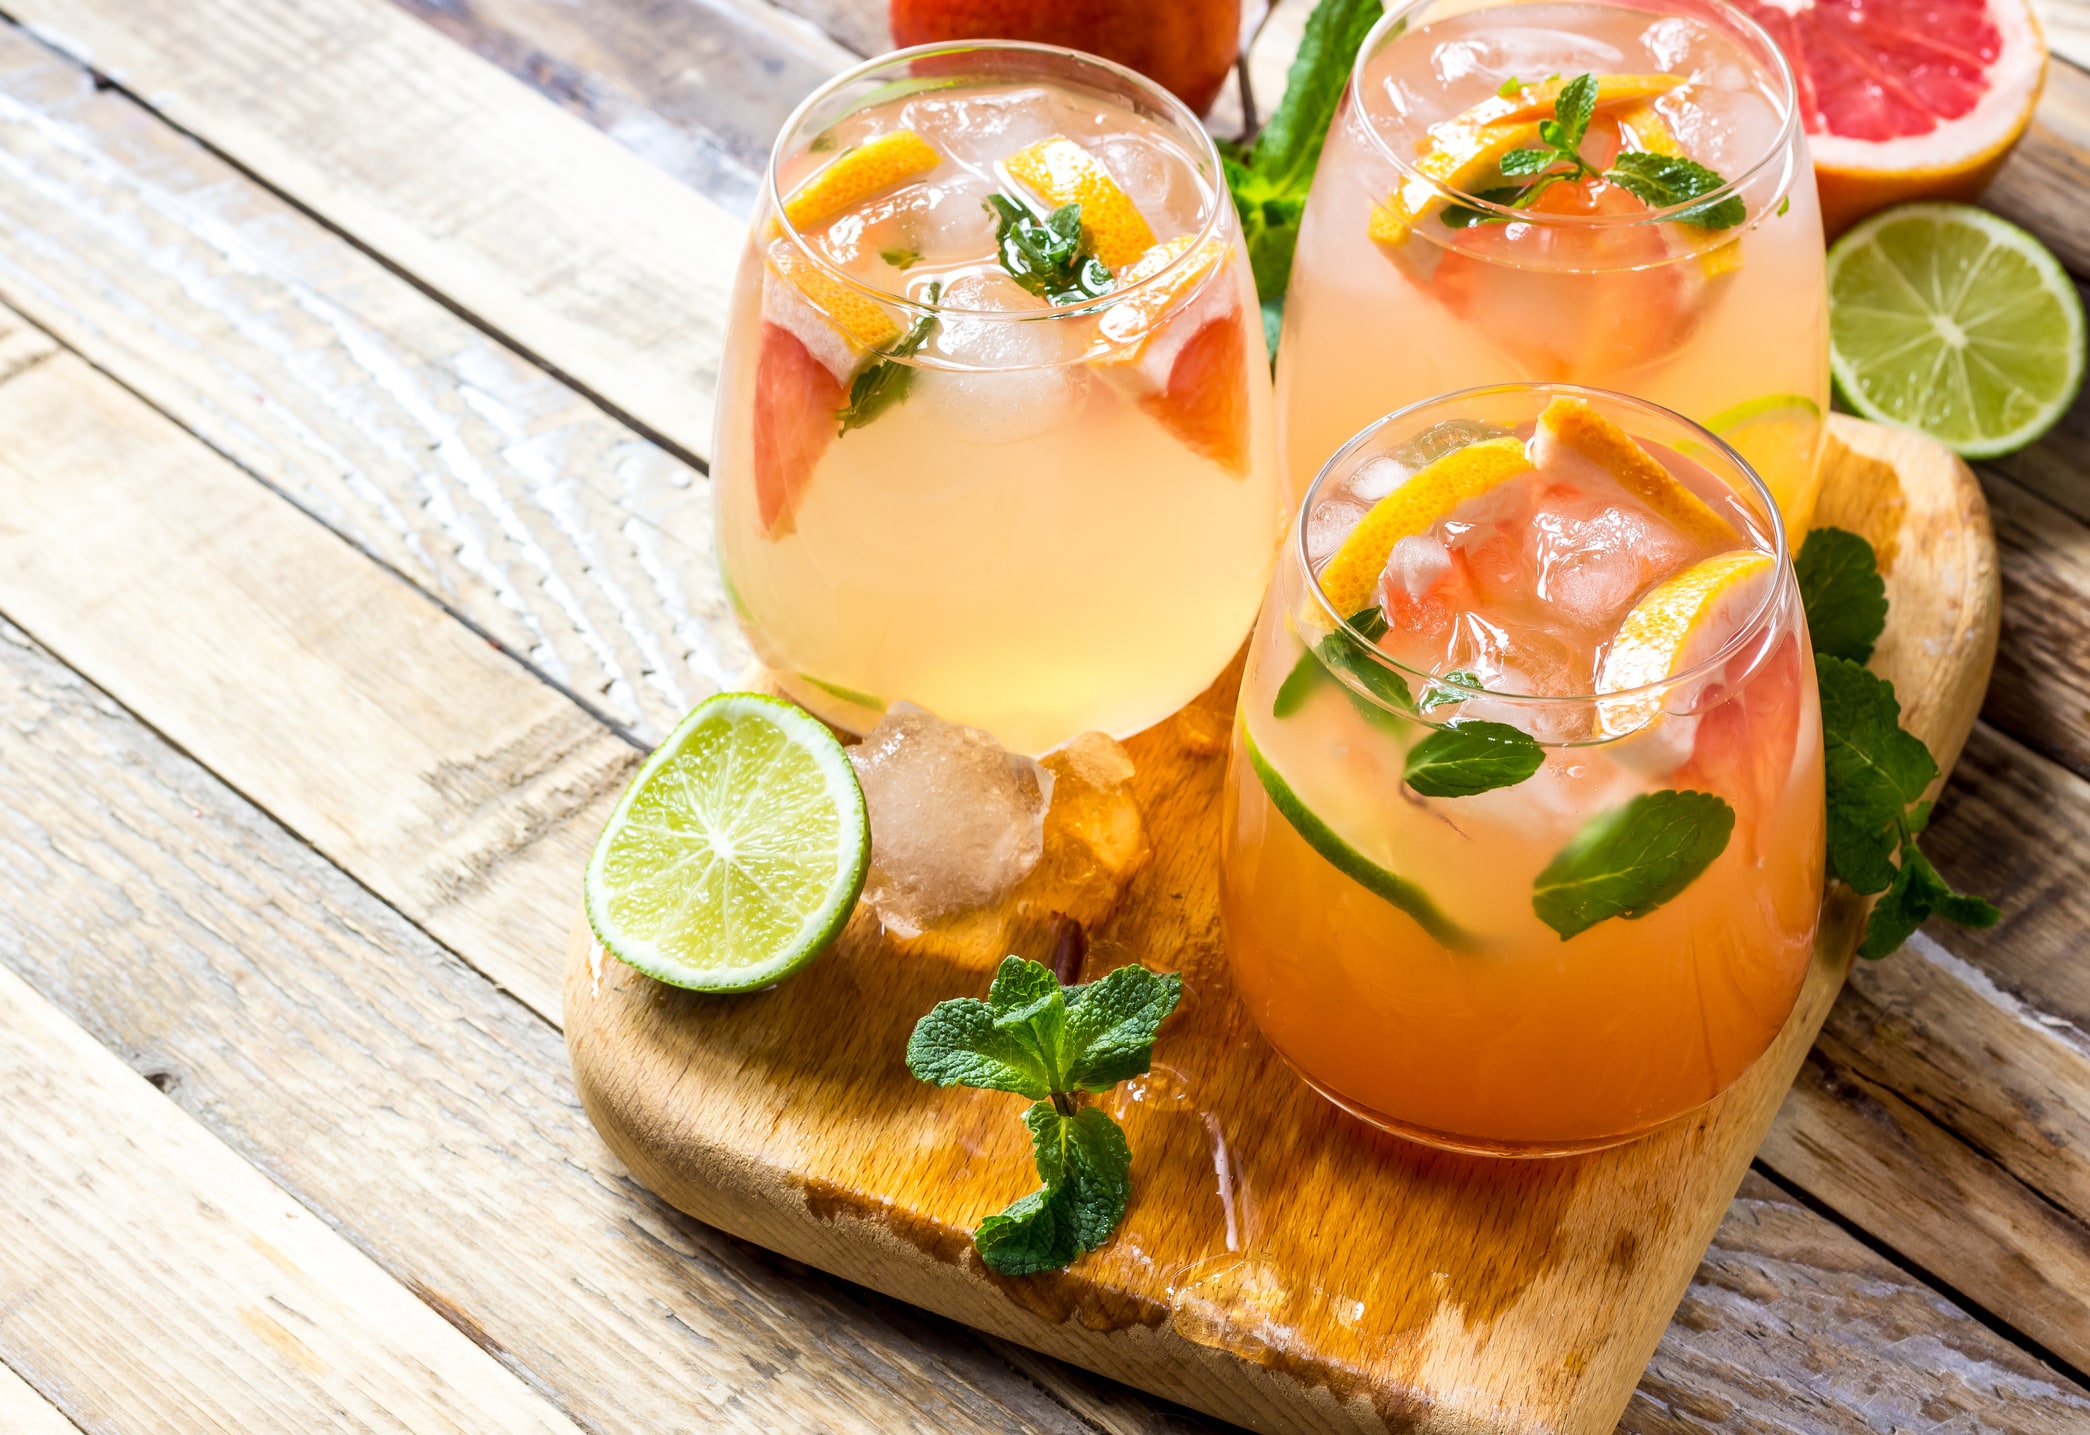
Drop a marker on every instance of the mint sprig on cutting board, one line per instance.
(1033, 1037)
(1876, 770)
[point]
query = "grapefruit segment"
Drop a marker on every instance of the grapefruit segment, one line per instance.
(795, 403)
(1907, 99)
(1205, 403)
(1425, 498)
(870, 169)
(1572, 424)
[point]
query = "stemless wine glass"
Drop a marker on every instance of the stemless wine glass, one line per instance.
(994, 431)
(1427, 262)
(1523, 851)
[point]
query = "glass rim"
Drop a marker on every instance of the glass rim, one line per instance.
(1393, 24)
(1744, 633)
(1217, 206)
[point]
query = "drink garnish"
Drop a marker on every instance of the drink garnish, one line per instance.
(1036, 1038)
(1575, 424)
(1471, 757)
(1660, 181)
(1270, 175)
(1446, 688)
(1064, 174)
(1632, 859)
(1348, 860)
(884, 382)
(1681, 622)
(858, 174)
(1875, 770)
(901, 258)
(1049, 257)
(1341, 651)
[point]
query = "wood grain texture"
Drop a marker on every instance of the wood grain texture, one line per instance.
(696, 88)
(157, 1282)
(24, 1412)
(411, 1106)
(2041, 694)
(2041, 185)
(551, 527)
(380, 729)
(1280, 1265)
(526, 217)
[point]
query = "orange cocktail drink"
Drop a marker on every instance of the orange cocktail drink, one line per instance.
(1565, 191)
(995, 431)
(1524, 835)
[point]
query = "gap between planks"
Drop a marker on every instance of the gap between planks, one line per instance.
(260, 578)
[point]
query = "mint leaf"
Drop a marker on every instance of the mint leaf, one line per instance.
(959, 1043)
(1047, 257)
(1917, 893)
(1465, 216)
(1269, 179)
(1035, 1233)
(1845, 597)
(1632, 859)
(1340, 651)
(1087, 1170)
(1873, 769)
(1662, 180)
(1528, 161)
(1471, 757)
(1572, 112)
(1446, 689)
(1509, 88)
(901, 258)
(1111, 1025)
(884, 382)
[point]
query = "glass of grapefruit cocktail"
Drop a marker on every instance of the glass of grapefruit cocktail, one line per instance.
(1524, 830)
(1565, 191)
(994, 429)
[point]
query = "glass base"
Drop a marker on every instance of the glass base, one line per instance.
(1536, 1150)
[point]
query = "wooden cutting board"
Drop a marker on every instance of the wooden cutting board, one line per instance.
(1281, 1264)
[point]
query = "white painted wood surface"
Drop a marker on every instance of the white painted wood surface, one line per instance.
(24, 1412)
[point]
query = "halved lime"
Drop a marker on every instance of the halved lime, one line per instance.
(1948, 320)
(737, 852)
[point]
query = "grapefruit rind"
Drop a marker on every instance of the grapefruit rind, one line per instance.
(1679, 624)
(868, 170)
(1130, 324)
(859, 318)
(1573, 424)
(1350, 579)
(1061, 172)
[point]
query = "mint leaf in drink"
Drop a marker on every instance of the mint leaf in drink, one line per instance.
(1632, 859)
(1039, 1039)
(1572, 110)
(1472, 757)
(1047, 256)
(1448, 689)
(1465, 216)
(1845, 597)
(901, 258)
(1874, 771)
(1528, 161)
(884, 382)
(1340, 651)
(1269, 176)
(1662, 180)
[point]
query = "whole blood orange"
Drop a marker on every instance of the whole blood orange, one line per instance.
(1186, 46)
(1907, 99)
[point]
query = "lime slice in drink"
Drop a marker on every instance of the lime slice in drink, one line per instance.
(1347, 859)
(736, 854)
(1948, 320)
(1776, 435)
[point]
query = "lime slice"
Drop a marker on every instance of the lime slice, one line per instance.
(1948, 320)
(1348, 860)
(736, 854)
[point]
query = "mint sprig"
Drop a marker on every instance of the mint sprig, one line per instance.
(884, 382)
(1630, 860)
(1472, 757)
(1875, 770)
(1047, 256)
(1656, 180)
(1270, 175)
(1033, 1037)
(1342, 652)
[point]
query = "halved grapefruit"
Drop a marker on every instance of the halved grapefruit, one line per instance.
(795, 402)
(1907, 99)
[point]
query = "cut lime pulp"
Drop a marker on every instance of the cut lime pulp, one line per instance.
(1948, 320)
(736, 854)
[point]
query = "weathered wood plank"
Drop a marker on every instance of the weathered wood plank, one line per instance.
(257, 985)
(2042, 185)
(524, 216)
(2067, 26)
(165, 1285)
(425, 1115)
(699, 90)
(24, 1412)
(372, 723)
(551, 527)
(2041, 691)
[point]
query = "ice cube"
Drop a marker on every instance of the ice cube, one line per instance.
(1147, 174)
(956, 819)
(1593, 554)
(953, 221)
(1328, 525)
(1416, 563)
(1008, 378)
(980, 127)
(1095, 838)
